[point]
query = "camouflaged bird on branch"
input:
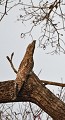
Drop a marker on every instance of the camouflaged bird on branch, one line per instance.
(25, 67)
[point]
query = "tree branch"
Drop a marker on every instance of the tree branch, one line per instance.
(35, 92)
(52, 83)
(5, 11)
(11, 63)
(32, 90)
(45, 82)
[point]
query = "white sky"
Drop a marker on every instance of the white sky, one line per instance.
(10, 41)
(53, 66)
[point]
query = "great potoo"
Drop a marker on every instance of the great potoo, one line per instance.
(26, 66)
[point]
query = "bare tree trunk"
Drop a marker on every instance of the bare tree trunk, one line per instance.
(35, 92)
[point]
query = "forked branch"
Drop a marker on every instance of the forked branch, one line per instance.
(33, 91)
(45, 82)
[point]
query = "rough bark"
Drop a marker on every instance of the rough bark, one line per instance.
(35, 92)
(32, 90)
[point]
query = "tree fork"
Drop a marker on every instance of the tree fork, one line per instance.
(35, 92)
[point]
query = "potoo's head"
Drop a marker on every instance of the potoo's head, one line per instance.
(31, 47)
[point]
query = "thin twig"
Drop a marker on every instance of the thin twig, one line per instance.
(11, 63)
(5, 11)
(52, 83)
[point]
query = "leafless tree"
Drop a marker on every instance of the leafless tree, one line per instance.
(49, 16)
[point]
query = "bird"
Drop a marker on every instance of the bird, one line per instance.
(26, 66)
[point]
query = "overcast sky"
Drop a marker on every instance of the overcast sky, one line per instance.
(10, 41)
(52, 66)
